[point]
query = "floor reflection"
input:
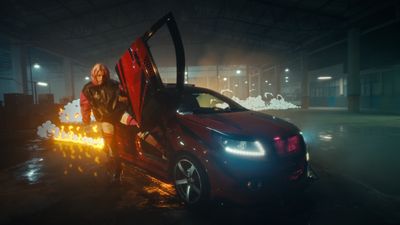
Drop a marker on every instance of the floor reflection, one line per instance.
(32, 170)
(79, 159)
(144, 190)
(323, 136)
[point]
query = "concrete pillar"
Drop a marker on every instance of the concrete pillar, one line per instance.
(305, 81)
(186, 74)
(353, 70)
(218, 89)
(69, 78)
(259, 91)
(19, 60)
(248, 87)
(277, 75)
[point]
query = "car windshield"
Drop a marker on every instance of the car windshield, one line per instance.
(205, 102)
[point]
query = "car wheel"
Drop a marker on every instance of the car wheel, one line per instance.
(190, 181)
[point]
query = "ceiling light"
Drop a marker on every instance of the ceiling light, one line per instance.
(44, 84)
(324, 78)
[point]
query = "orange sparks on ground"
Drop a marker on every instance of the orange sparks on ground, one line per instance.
(97, 160)
(80, 169)
(74, 134)
(94, 128)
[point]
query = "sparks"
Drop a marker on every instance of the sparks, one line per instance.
(74, 135)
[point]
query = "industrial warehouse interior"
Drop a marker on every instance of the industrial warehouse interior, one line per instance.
(299, 119)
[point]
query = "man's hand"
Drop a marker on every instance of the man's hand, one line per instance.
(128, 120)
(133, 122)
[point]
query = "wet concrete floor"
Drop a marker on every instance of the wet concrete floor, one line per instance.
(355, 155)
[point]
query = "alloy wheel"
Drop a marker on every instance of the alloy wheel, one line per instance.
(188, 181)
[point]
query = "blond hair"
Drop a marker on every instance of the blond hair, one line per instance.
(99, 67)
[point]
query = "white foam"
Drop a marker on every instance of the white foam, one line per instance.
(257, 104)
(71, 113)
(44, 131)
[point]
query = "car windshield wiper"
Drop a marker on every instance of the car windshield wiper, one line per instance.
(211, 110)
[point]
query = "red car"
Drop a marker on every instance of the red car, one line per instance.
(204, 143)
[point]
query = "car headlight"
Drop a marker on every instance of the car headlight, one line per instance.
(243, 148)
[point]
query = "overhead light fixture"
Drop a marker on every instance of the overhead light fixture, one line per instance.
(36, 66)
(87, 78)
(324, 78)
(238, 71)
(266, 81)
(44, 84)
(225, 79)
(186, 72)
(287, 70)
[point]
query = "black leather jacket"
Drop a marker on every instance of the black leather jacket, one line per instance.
(103, 101)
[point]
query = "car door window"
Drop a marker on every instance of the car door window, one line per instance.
(202, 103)
(206, 100)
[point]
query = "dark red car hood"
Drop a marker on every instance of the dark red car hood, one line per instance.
(246, 123)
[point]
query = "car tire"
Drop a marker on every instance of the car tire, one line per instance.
(190, 181)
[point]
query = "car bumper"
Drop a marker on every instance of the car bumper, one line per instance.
(252, 182)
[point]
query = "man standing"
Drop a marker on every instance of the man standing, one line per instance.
(102, 96)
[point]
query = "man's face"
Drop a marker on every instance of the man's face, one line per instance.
(99, 77)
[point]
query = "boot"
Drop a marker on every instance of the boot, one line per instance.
(117, 169)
